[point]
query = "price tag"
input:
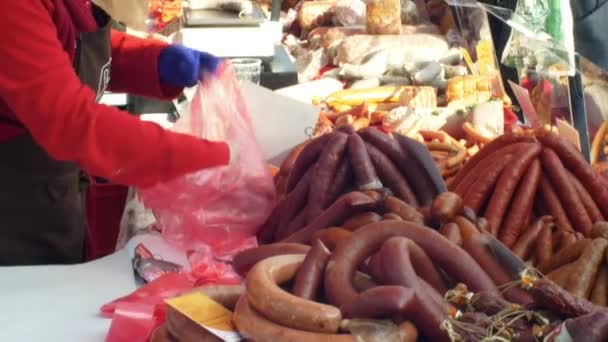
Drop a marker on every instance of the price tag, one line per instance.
(566, 131)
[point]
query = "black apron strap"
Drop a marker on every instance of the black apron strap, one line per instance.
(42, 216)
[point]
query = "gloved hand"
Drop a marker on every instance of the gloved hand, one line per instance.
(182, 67)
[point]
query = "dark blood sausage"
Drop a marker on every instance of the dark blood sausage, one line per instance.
(363, 168)
(340, 183)
(308, 279)
(488, 150)
(399, 270)
(360, 220)
(402, 250)
(592, 327)
(348, 129)
(346, 206)
(244, 260)
(391, 148)
(592, 209)
(381, 302)
(452, 232)
(391, 176)
(289, 162)
(471, 176)
(553, 204)
(269, 228)
(478, 247)
(407, 212)
(575, 162)
(349, 255)
(549, 296)
(293, 204)
(293, 226)
(307, 157)
(419, 155)
(505, 187)
(521, 206)
(556, 172)
(324, 172)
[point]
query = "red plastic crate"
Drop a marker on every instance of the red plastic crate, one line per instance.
(105, 203)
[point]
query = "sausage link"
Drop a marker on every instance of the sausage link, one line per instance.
(599, 295)
(293, 226)
(576, 163)
(523, 247)
(473, 174)
(254, 327)
(561, 275)
(553, 204)
(544, 245)
(363, 168)
(331, 237)
(278, 305)
(505, 187)
(565, 256)
(398, 251)
(307, 157)
(407, 213)
(550, 296)
(346, 206)
(363, 282)
(381, 302)
(497, 144)
(245, 260)
(445, 206)
(395, 152)
(324, 172)
(341, 182)
(558, 176)
(392, 216)
(391, 176)
(269, 228)
(290, 161)
(420, 159)
(593, 210)
(350, 254)
(466, 227)
(521, 206)
(361, 220)
(478, 247)
(481, 189)
(582, 280)
(309, 276)
(565, 240)
(452, 232)
(293, 204)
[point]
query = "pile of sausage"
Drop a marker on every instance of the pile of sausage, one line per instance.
(449, 154)
(519, 177)
(313, 178)
(582, 267)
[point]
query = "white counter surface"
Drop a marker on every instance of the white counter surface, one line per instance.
(61, 303)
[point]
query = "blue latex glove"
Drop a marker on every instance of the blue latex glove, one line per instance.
(182, 67)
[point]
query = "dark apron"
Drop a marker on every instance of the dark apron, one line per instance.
(42, 216)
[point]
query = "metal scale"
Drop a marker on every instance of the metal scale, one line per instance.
(228, 35)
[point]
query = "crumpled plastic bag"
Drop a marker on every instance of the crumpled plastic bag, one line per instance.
(219, 208)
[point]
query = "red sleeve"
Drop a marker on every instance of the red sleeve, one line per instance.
(38, 83)
(135, 67)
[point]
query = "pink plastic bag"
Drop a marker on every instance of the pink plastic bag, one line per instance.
(132, 322)
(219, 208)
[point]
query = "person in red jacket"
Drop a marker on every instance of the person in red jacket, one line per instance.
(57, 59)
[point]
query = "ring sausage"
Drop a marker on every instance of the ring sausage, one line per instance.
(308, 279)
(331, 237)
(278, 305)
(255, 327)
(407, 213)
(350, 254)
(246, 259)
(360, 220)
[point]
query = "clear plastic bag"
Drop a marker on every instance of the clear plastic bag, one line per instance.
(219, 208)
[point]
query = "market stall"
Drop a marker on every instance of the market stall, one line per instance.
(397, 193)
